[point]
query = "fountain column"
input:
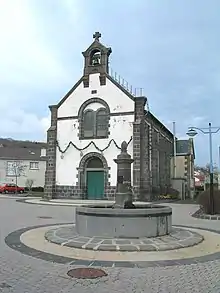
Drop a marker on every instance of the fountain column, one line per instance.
(123, 193)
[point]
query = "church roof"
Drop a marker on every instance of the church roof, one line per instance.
(159, 123)
(124, 90)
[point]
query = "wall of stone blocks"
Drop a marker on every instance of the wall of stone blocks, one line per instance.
(146, 176)
(138, 151)
(50, 174)
(77, 192)
(161, 145)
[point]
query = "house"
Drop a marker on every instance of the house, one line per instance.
(22, 160)
(199, 179)
(87, 128)
(183, 179)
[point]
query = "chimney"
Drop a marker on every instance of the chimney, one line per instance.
(43, 152)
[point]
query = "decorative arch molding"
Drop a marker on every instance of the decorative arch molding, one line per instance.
(87, 157)
(82, 170)
(90, 101)
(105, 132)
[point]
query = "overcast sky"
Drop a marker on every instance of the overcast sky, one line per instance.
(168, 47)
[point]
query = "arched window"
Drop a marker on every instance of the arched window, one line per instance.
(95, 124)
(94, 119)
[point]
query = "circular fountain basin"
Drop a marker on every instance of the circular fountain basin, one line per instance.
(105, 221)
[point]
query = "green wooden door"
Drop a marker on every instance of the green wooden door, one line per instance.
(95, 184)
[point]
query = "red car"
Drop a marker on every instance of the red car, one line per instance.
(11, 188)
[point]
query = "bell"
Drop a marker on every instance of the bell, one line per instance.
(95, 60)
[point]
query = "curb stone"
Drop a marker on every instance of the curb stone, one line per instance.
(199, 214)
(14, 242)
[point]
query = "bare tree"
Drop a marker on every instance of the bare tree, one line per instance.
(29, 183)
(16, 169)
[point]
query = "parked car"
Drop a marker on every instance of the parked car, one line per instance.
(11, 188)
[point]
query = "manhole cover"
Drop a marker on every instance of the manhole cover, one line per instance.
(86, 273)
(45, 217)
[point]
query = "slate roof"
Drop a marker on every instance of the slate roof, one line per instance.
(21, 150)
(159, 123)
(183, 147)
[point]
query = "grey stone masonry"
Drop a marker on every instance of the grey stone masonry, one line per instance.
(101, 67)
(50, 174)
(178, 238)
(155, 161)
(69, 191)
(161, 149)
(165, 150)
(79, 192)
(138, 151)
(146, 179)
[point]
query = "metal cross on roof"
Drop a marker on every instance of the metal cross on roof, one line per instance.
(96, 36)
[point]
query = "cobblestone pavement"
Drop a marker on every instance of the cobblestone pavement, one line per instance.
(23, 274)
(178, 238)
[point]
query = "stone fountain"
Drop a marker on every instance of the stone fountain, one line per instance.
(124, 219)
(123, 226)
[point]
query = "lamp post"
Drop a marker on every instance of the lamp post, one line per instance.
(174, 150)
(210, 130)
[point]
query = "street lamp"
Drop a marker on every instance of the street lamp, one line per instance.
(210, 130)
(192, 132)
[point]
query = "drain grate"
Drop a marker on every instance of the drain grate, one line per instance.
(86, 273)
(44, 217)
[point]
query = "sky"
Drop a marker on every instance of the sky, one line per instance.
(169, 48)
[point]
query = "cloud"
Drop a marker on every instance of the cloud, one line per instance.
(196, 121)
(25, 58)
(23, 123)
(31, 72)
(170, 49)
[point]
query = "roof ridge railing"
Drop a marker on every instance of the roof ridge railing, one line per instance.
(134, 91)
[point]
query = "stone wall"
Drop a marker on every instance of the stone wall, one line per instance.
(146, 176)
(165, 149)
(138, 147)
(152, 148)
(161, 146)
(78, 192)
(50, 174)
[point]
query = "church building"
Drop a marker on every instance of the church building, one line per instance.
(87, 128)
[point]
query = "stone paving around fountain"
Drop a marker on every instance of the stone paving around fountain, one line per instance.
(67, 202)
(178, 238)
(43, 269)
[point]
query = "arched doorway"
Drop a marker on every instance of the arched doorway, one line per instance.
(94, 178)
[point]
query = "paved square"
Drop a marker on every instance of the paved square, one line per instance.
(24, 274)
